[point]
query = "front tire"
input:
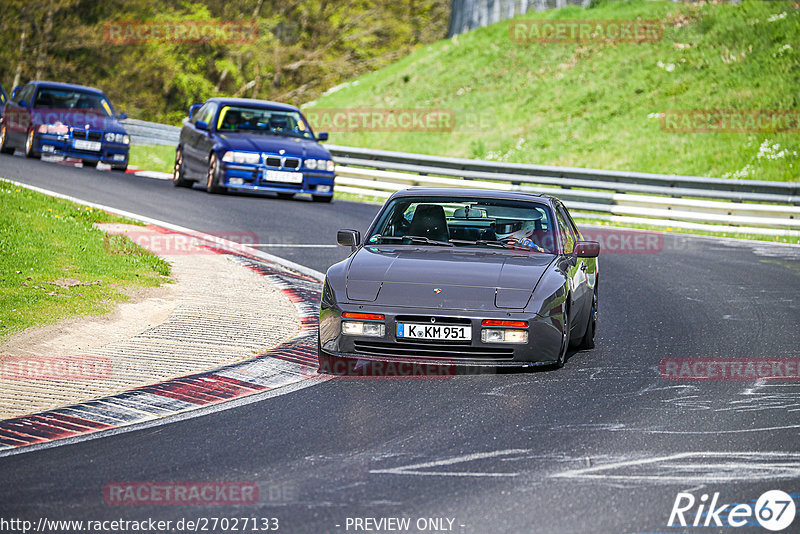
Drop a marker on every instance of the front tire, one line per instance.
(587, 342)
(120, 169)
(212, 181)
(562, 354)
(30, 146)
(178, 172)
(4, 148)
(90, 163)
(321, 198)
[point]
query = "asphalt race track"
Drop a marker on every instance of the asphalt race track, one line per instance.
(602, 445)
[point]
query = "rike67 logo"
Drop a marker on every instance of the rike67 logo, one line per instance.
(774, 510)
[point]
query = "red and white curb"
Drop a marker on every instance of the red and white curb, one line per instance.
(287, 367)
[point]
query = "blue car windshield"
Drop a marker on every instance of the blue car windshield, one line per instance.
(263, 120)
(53, 98)
(466, 222)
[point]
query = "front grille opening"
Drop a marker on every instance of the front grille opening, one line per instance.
(448, 352)
(273, 161)
(83, 134)
(291, 163)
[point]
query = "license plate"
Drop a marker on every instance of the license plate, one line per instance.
(286, 177)
(434, 331)
(80, 144)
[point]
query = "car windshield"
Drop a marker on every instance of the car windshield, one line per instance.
(53, 98)
(263, 120)
(466, 222)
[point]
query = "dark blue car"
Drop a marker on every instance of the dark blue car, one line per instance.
(67, 120)
(3, 99)
(252, 145)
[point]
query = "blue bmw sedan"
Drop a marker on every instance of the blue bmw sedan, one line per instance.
(66, 120)
(252, 145)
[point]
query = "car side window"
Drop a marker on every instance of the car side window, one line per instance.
(572, 225)
(207, 112)
(24, 94)
(564, 230)
(201, 113)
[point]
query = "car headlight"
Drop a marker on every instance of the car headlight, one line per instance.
(233, 156)
(504, 331)
(321, 164)
(366, 324)
(112, 137)
(55, 129)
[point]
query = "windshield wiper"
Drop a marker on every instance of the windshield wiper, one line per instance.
(487, 242)
(416, 239)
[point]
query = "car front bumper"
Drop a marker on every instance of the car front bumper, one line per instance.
(253, 178)
(542, 348)
(57, 145)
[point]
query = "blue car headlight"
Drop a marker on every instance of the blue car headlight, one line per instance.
(232, 156)
(54, 129)
(112, 137)
(321, 164)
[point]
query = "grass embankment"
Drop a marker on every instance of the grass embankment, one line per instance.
(596, 104)
(54, 264)
(152, 157)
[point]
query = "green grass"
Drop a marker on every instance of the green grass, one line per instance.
(152, 157)
(595, 105)
(43, 240)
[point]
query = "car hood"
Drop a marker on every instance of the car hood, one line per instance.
(77, 119)
(445, 278)
(273, 144)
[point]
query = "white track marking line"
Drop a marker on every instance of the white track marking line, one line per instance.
(415, 469)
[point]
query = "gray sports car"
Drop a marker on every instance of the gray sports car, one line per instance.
(461, 277)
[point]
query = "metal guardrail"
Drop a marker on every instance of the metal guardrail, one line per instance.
(714, 204)
(151, 133)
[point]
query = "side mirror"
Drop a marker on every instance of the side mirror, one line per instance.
(194, 108)
(23, 104)
(122, 116)
(201, 125)
(587, 249)
(322, 136)
(348, 238)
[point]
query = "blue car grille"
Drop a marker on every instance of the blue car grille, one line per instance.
(90, 135)
(282, 162)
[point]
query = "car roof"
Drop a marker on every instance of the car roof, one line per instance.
(61, 85)
(480, 193)
(253, 102)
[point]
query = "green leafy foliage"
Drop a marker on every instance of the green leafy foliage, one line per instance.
(301, 49)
